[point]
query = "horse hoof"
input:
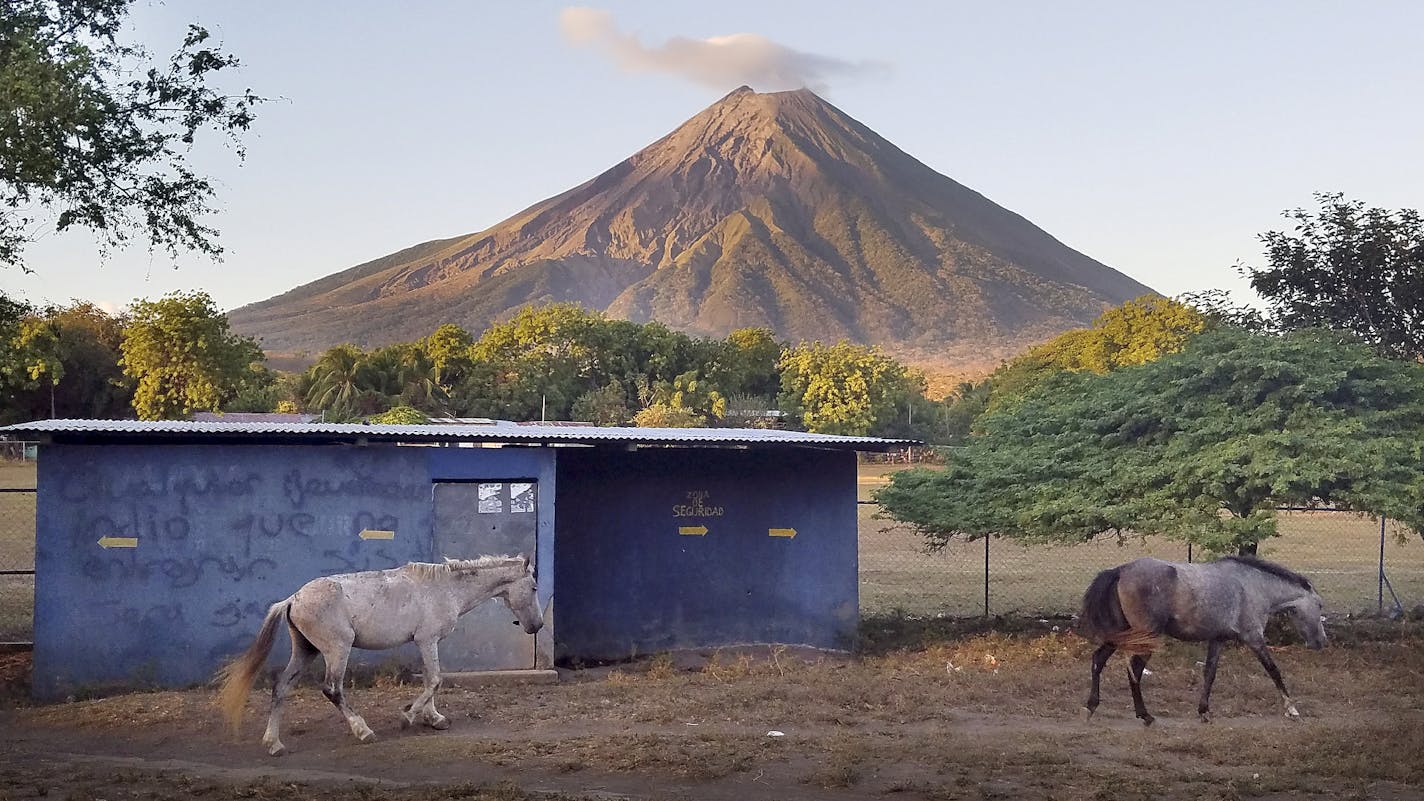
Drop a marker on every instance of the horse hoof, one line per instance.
(407, 722)
(1292, 714)
(1147, 719)
(277, 749)
(1087, 714)
(440, 723)
(367, 736)
(1205, 717)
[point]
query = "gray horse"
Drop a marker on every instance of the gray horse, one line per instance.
(1129, 607)
(376, 609)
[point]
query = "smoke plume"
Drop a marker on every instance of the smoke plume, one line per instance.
(720, 62)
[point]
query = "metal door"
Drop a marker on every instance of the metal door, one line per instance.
(479, 518)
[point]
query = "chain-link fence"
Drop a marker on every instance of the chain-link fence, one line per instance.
(1359, 565)
(17, 541)
(17, 564)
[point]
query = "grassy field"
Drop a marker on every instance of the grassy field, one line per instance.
(1338, 552)
(17, 550)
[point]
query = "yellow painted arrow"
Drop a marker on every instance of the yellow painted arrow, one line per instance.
(781, 532)
(376, 534)
(692, 531)
(118, 542)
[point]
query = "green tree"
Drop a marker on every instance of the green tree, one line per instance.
(693, 394)
(1200, 445)
(448, 349)
(94, 132)
(335, 381)
(68, 365)
(844, 388)
(184, 357)
(605, 406)
(745, 364)
(1135, 332)
(537, 364)
(401, 416)
(661, 415)
(1349, 268)
(403, 374)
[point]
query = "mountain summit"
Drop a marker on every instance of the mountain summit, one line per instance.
(772, 209)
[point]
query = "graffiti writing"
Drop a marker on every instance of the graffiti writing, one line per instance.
(177, 572)
(299, 489)
(697, 505)
(187, 488)
(375, 560)
(233, 613)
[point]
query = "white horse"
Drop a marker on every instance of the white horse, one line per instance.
(376, 609)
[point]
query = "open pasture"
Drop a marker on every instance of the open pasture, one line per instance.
(1339, 552)
(928, 710)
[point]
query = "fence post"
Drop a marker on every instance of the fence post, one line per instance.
(1380, 601)
(986, 575)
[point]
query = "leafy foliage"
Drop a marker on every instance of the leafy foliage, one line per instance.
(401, 416)
(1349, 268)
(1200, 445)
(844, 388)
(184, 357)
(93, 130)
(60, 361)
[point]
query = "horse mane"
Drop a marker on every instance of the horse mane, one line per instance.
(1274, 569)
(461, 566)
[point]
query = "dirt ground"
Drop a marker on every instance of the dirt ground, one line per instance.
(928, 710)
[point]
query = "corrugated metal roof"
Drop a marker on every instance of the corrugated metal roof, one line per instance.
(232, 431)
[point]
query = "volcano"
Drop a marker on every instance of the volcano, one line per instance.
(766, 209)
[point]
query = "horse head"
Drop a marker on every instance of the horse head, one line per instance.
(522, 598)
(1305, 614)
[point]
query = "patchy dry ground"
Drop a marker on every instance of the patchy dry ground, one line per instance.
(929, 710)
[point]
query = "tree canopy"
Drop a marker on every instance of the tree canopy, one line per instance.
(94, 131)
(1200, 445)
(845, 388)
(1350, 268)
(185, 358)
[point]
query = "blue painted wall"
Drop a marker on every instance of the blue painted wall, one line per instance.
(223, 531)
(630, 583)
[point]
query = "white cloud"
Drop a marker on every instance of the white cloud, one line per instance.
(721, 62)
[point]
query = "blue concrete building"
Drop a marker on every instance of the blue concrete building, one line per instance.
(160, 545)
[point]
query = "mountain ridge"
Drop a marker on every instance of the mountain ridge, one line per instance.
(772, 209)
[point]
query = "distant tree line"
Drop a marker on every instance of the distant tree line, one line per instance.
(1197, 420)
(171, 357)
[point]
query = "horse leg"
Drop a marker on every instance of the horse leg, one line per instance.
(424, 704)
(303, 652)
(1134, 678)
(1100, 658)
(1263, 653)
(1213, 655)
(332, 689)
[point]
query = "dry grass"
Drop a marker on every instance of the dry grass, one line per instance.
(1339, 552)
(930, 709)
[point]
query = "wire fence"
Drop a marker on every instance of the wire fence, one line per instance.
(1360, 565)
(17, 563)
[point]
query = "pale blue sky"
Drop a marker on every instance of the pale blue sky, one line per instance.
(1159, 139)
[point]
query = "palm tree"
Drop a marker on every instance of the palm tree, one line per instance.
(337, 379)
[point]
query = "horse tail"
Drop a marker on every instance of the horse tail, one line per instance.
(237, 676)
(1101, 618)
